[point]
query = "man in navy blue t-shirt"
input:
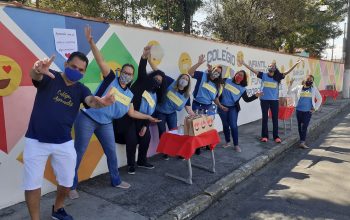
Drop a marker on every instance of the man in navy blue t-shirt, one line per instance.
(56, 105)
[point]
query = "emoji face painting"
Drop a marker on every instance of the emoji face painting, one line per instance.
(157, 52)
(184, 63)
(10, 75)
(240, 58)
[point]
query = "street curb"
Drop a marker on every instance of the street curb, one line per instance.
(199, 203)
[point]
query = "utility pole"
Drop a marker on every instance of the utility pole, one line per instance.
(346, 80)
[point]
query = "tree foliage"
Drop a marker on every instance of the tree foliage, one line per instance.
(276, 24)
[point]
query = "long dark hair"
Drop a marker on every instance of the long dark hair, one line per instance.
(163, 87)
(278, 76)
(244, 82)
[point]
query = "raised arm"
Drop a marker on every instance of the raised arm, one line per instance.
(201, 60)
(290, 70)
(142, 72)
(249, 68)
(41, 68)
(105, 69)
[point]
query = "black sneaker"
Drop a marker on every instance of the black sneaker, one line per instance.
(198, 151)
(145, 165)
(131, 170)
(60, 214)
(165, 157)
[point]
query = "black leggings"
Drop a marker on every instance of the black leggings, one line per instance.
(127, 132)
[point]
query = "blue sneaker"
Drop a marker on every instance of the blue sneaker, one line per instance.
(60, 214)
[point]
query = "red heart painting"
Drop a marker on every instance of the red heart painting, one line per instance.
(7, 68)
(67, 55)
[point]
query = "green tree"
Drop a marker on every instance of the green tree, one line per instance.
(276, 24)
(176, 15)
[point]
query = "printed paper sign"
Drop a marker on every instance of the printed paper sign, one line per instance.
(65, 41)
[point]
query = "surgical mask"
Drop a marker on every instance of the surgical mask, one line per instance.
(215, 74)
(73, 75)
(271, 69)
(156, 83)
(308, 83)
(125, 78)
(238, 78)
(183, 83)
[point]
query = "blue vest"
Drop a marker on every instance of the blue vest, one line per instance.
(148, 103)
(269, 87)
(231, 93)
(174, 101)
(117, 110)
(207, 91)
(305, 100)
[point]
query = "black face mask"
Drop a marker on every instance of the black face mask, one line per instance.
(308, 83)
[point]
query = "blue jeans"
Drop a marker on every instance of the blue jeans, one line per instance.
(169, 119)
(265, 106)
(229, 121)
(303, 119)
(84, 128)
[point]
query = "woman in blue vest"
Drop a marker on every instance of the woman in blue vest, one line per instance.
(177, 98)
(269, 100)
(149, 90)
(99, 121)
(228, 105)
(206, 89)
(207, 86)
(308, 100)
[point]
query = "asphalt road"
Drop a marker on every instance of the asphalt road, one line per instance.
(300, 184)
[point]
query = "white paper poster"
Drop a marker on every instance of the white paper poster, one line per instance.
(65, 41)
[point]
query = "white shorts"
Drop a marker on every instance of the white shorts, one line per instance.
(35, 155)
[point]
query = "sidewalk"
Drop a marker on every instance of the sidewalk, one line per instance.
(153, 195)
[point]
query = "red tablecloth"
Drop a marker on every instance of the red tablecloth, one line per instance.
(284, 112)
(328, 93)
(184, 145)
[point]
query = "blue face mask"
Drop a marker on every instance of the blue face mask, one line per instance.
(72, 74)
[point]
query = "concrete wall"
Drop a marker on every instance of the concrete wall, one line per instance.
(27, 35)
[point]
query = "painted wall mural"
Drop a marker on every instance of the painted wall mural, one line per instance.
(27, 35)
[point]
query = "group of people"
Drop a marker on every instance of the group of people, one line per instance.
(122, 108)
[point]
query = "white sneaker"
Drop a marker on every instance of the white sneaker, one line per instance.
(226, 145)
(237, 149)
(73, 194)
(123, 185)
(303, 145)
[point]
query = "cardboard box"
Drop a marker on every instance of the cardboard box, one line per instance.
(196, 125)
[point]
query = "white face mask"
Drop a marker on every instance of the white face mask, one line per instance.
(183, 83)
(215, 74)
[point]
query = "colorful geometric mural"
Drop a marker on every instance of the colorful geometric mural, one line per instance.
(27, 35)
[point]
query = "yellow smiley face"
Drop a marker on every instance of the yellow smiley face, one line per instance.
(10, 75)
(157, 52)
(282, 69)
(290, 63)
(184, 63)
(240, 58)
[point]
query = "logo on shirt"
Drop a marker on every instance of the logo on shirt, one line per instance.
(148, 98)
(306, 94)
(232, 89)
(209, 87)
(63, 98)
(272, 85)
(174, 98)
(120, 97)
